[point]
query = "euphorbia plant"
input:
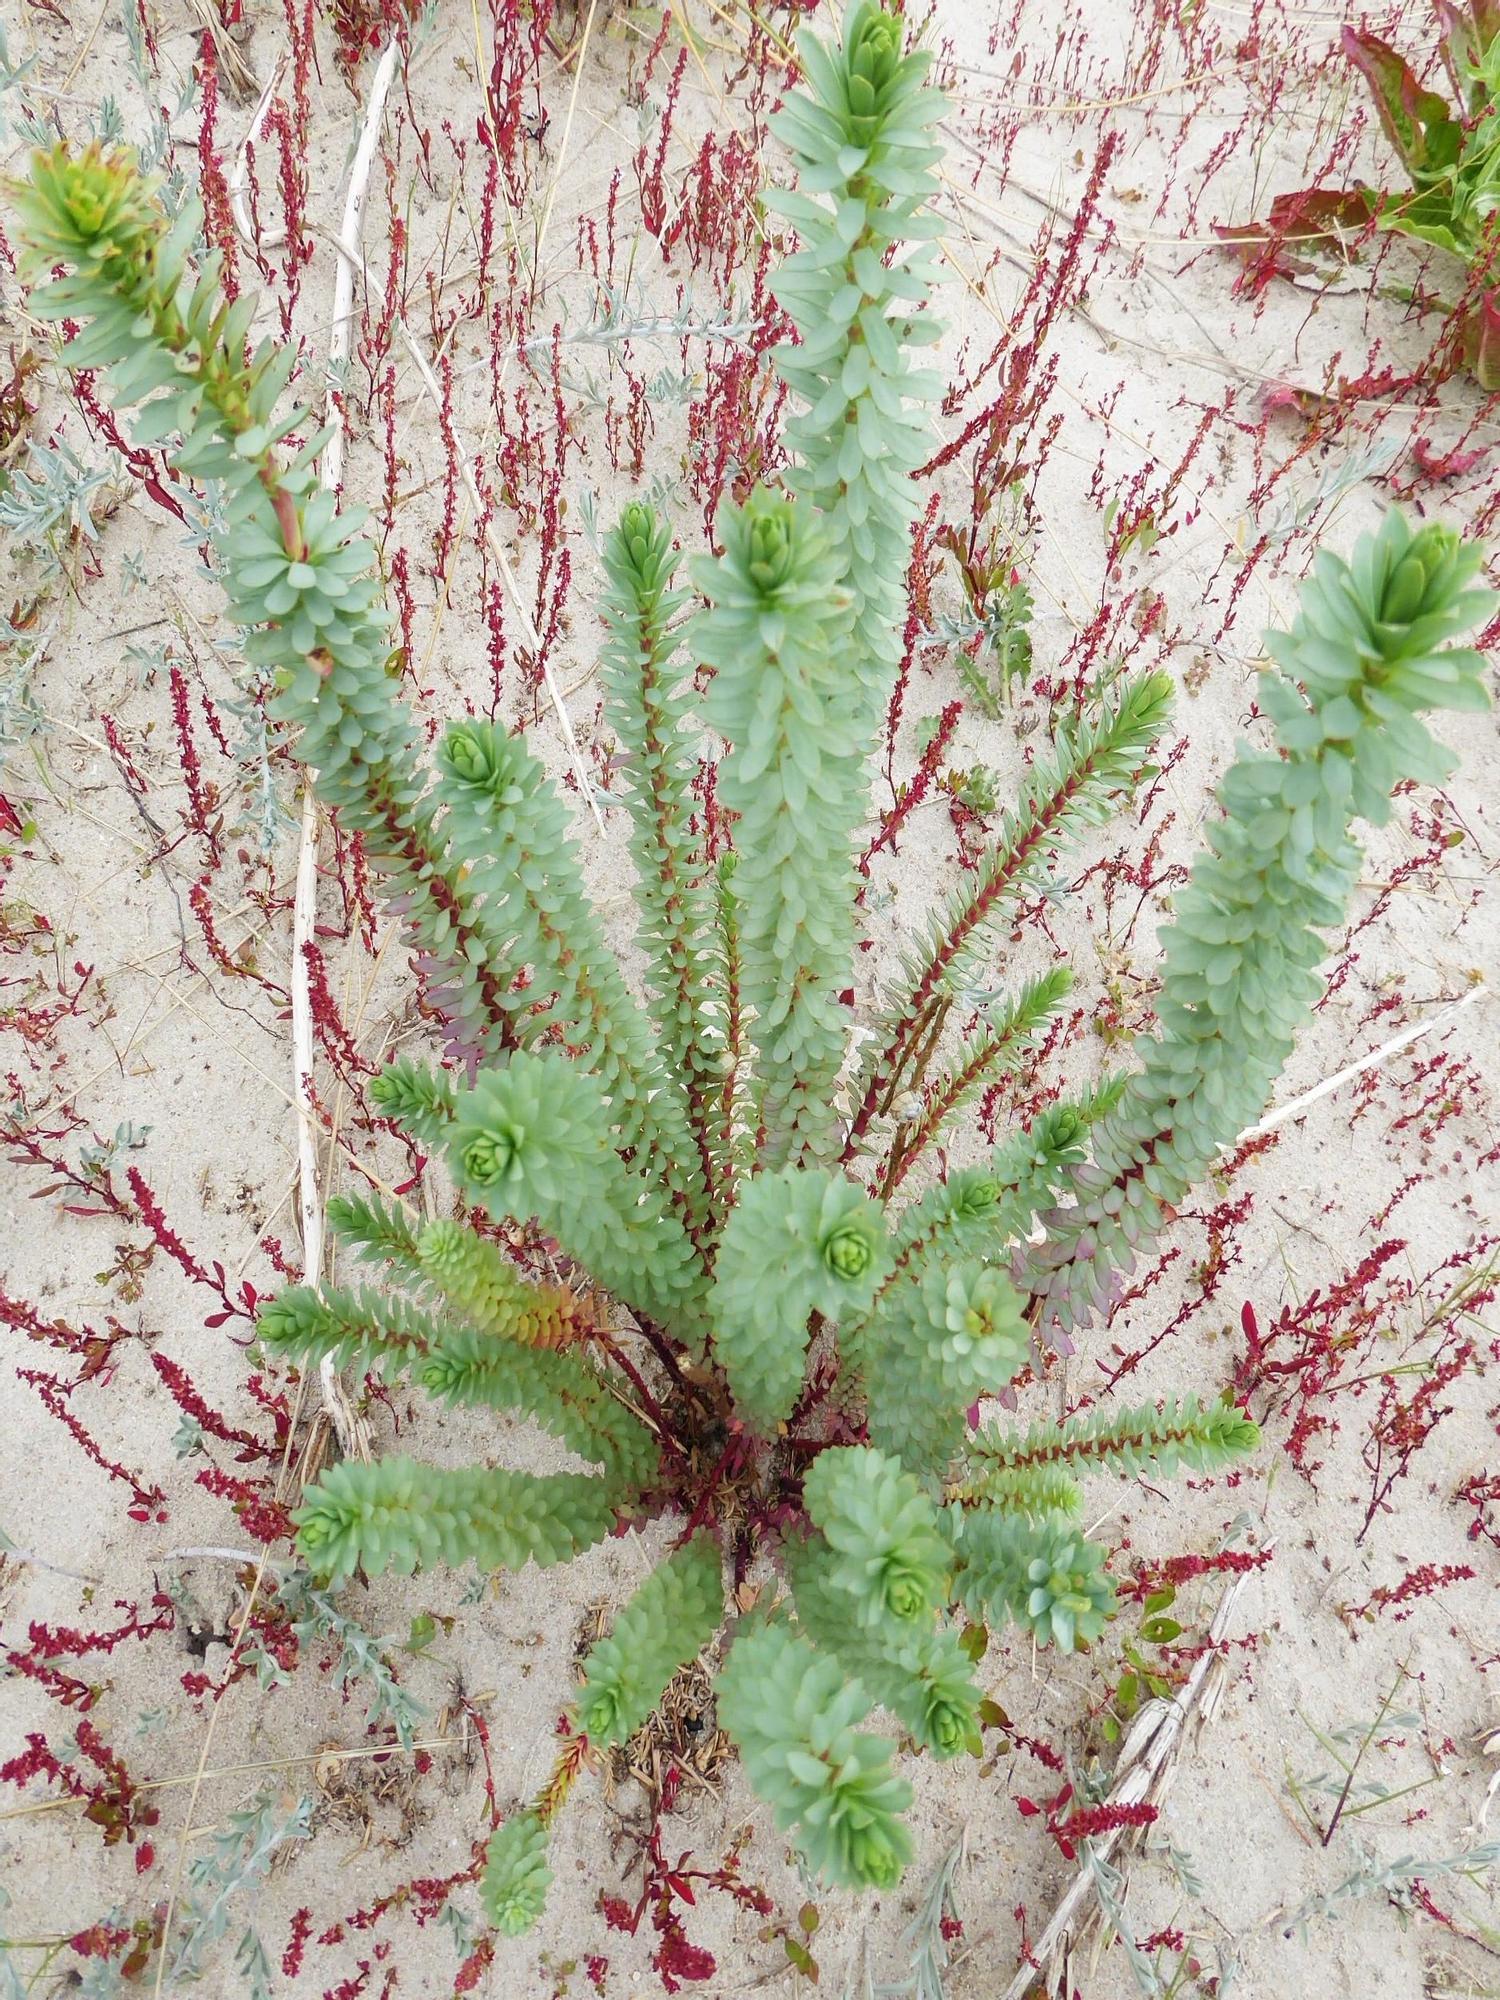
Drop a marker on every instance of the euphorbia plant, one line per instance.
(753, 1334)
(1451, 153)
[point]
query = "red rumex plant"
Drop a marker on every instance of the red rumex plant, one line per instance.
(110, 1797)
(668, 1890)
(1418, 1582)
(1451, 153)
(1068, 1828)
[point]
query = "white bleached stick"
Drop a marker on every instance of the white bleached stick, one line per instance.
(352, 1434)
(238, 199)
(1371, 1061)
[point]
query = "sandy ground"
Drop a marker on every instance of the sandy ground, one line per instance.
(188, 1062)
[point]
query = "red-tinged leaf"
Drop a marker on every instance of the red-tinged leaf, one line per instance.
(1028, 1808)
(163, 498)
(10, 819)
(1418, 123)
(1257, 250)
(1438, 465)
(1321, 215)
(1296, 222)
(677, 1959)
(98, 1941)
(474, 1967)
(145, 1856)
(216, 1320)
(1279, 396)
(1249, 1323)
(683, 1888)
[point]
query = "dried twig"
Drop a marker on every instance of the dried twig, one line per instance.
(197, 1783)
(233, 67)
(1489, 1747)
(1143, 1772)
(184, 1780)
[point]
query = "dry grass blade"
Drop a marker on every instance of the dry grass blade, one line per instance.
(240, 179)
